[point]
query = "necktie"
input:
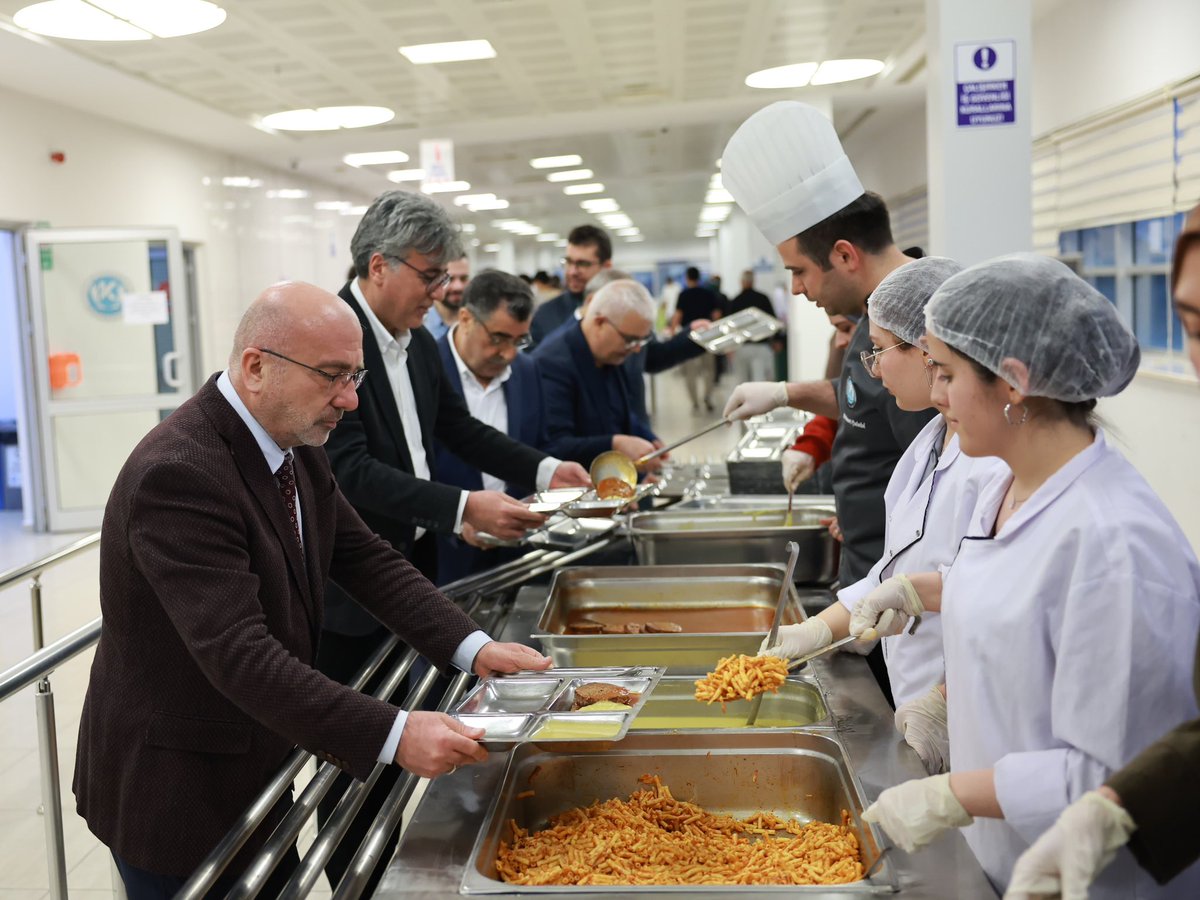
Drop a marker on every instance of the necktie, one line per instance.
(286, 476)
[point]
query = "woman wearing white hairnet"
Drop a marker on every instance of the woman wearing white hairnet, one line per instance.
(1151, 803)
(929, 501)
(1069, 621)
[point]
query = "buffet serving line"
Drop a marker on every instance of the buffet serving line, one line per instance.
(704, 587)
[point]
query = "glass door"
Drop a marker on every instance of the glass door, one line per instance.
(109, 342)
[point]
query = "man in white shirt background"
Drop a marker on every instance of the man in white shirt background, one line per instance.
(444, 311)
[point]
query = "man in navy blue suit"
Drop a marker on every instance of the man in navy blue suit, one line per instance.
(483, 363)
(590, 406)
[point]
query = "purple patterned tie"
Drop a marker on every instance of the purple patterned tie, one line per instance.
(286, 476)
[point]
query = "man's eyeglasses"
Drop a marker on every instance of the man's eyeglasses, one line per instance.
(337, 380)
(434, 281)
(632, 342)
(569, 263)
(870, 359)
(499, 339)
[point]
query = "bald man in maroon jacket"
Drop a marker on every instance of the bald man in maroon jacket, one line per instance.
(218, 538)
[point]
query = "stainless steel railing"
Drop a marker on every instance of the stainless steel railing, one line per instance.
(37, 669)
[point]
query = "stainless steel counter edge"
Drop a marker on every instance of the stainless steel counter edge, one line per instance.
(437, 842)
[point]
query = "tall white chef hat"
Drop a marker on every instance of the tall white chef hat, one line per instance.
(787, 170)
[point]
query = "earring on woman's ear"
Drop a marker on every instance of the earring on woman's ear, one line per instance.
(1008, 414)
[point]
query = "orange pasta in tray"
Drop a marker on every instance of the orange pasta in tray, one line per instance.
(652, 838)
(741, 678)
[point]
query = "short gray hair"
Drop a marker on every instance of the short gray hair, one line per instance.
(603, 277)
(619, 297)
(401, 222)
(485, 293)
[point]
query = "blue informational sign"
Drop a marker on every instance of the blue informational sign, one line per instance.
(985, 77)
(105, 294)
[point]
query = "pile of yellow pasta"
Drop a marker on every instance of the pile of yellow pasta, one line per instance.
(741, 678)
(652, 838)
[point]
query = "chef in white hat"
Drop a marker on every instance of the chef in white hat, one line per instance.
(787, 170)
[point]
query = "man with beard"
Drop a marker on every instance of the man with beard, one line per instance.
(444, 312)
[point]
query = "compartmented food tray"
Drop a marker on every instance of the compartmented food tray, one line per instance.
(541, 706)
(725, 334)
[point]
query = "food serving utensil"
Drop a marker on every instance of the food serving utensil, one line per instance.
(615, 464)
(828, 648)
(787, 520)
(793, 550)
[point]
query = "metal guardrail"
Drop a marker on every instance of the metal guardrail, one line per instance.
(37, 669)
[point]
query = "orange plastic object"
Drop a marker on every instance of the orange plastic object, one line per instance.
(65, 371)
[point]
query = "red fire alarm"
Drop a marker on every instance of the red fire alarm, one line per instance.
(57, 156)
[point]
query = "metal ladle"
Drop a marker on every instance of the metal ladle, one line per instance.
(793, 550)
(615, 464)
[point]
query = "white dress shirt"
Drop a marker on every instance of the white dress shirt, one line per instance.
(464, 655)
(395, 360)
(488, 404)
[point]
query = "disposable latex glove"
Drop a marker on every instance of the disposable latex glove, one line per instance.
(754, 398)
(798, 467)
(1073, 851)
(916, 812)
(799, 640)
(923, 724)
(886, 610)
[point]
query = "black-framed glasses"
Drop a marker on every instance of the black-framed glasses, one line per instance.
(569, 263)
(498, 338)
(337, 380)
(870, 358)
(632, 342)
(434, 281)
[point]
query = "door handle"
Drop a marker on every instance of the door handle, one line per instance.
(170, 368)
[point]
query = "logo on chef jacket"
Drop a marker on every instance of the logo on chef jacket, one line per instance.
(851, 393)
(105, 294)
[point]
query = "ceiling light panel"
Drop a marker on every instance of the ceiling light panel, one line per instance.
(450, 51)
(401, 175)
(446, 187)
(794, 76)
(835, 71)
(166, 19)
(328, 118)
(570, 175)
(119, 20)
(593, 188)
(555, 162)
(600, 205)
(375, 158)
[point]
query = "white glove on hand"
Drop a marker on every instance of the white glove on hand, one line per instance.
(754, 398)
(799, 640)
(1073, 851)
(886, 610)
(916, 812)
(925, 729)
(798, 467)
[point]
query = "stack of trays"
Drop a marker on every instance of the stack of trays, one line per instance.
(536, 706)
(747, 325)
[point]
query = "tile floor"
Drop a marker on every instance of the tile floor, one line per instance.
(70, 599)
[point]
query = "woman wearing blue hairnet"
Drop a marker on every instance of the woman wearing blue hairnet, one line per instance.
(1071, 611)
(929, 500)
(1151, 803)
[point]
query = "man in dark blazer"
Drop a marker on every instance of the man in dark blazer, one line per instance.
(589, 251)
(591, 402)
(383, 453)
(220, 532)
(483, 364)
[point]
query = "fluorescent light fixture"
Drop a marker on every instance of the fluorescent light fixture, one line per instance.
(241, 181)
(119, 20)
(487, 205)
(471, 199)
(796, 75)
(328, 118)
(449, 51)
(626, 232)
(718, 162)
(468, 228)
(602, 205)
(634, 238)
(287, 194)
(561, 243)
(402, 175)
(491, 248)
(332, 205)
(835, 71)
(616, 220)
(593, 188)
(445, 187)
(715, 181)
(354, 210)
(714, 213)
(718, 195)
(555, 162)
(570, 175)
(375, 158)
(474, 242)
(527, 231)
(548, 237)
(504, 223)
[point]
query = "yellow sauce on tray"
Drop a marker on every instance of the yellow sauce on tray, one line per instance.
(563, 730)
(692, 723)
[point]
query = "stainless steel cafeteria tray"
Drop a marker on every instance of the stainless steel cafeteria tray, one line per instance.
(725, 609)
(673, 707)
(725, 334)
(753, 503)
(512, 709)
(690, 537)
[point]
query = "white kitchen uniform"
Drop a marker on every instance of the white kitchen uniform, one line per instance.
(1069, 640)
(930, 500)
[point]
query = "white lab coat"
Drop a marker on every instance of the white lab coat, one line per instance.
(1069, 639)
(928, 511)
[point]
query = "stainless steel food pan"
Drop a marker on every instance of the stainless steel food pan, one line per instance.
(725, 609)
(800, 775)
(672, 706)
(688, 537)
(756, 503)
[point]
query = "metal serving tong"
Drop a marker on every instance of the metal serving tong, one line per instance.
(793, 550)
